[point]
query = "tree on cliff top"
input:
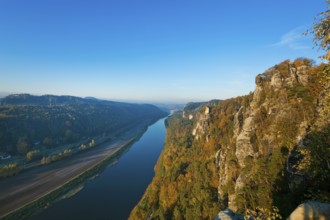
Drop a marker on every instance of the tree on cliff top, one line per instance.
(321, 31)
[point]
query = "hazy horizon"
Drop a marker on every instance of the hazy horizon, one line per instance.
(160, 102)
(149, 51)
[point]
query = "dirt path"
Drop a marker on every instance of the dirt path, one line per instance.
(20, 190)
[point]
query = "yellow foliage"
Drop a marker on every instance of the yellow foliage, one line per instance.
(262, 214)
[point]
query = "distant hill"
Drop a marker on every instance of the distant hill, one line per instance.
(92, 98)
(3, 94)
(170, 107)
(191, 106)
(54, 120)
(27, 99)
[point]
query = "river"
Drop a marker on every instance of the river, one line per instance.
(118, 188)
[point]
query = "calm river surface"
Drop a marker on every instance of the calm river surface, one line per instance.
(114, 193)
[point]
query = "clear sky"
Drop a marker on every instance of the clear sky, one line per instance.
(151, 50)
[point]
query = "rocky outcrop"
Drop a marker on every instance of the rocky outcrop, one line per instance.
(202, 124)
(238, 121)
(228, 214)
(261, 127)
(249, 147)
(311, 210)
(257, 95)
(270, 82)
(298, 74)
(187, 115)
(244, 141)
(277, 80)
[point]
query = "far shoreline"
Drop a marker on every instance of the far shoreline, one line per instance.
(64, 175)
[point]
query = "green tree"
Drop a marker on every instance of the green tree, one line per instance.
(9, 170)
(68, 135)
(46, 160)
(317, 163)
(92, 143)
(176, 213)
(321, 31)
(83, 147)
(67, 152)
(22, 146)
(48, 141)
(31, 155)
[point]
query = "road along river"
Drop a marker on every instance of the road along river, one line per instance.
(117, 188)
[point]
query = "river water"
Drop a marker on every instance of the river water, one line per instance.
(118, 188)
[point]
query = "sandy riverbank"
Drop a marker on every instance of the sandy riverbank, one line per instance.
(18, 191)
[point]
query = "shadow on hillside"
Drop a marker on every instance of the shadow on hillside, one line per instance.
(314, 184)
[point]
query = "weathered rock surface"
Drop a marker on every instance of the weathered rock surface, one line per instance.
(250, 145)
(311, 210)
(276, 80)
(228, 214)
(244, 145)
(253, 139)
(202, 124)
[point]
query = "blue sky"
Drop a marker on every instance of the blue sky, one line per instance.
(149, 50)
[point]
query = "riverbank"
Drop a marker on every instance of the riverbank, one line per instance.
(32, 189)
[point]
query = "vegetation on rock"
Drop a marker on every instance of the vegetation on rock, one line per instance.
(28, 122)
(269, 148)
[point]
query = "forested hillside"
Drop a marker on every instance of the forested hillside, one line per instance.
(27, 121)
(268, 148)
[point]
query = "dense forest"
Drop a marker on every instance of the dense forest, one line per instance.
(268, 148)
(28, 122)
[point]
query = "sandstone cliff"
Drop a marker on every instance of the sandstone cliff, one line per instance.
(268, 148)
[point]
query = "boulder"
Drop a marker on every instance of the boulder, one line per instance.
(228, 214)
(311, 210)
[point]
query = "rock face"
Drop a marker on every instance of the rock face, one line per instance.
(238, 121)
(260, 127)
(276, 80)
(298, 74)
(245, 152)
(228, 215)
(311, 210)
(244, 145)
(202, 124)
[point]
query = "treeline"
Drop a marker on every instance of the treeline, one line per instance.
(9, 170)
